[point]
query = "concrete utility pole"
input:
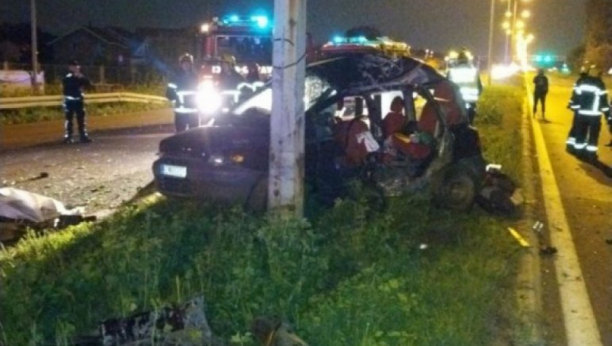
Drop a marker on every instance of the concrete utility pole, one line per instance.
(491, 31)
(286, 179)
(34, 44)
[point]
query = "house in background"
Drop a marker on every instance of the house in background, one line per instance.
(91, 45)
(112, 46)
(162, 47)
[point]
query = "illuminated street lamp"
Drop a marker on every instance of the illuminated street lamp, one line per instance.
(205, 28)
(526, 14)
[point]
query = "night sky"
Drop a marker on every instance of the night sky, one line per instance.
(437, 24)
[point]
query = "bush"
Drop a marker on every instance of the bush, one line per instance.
(497, 101)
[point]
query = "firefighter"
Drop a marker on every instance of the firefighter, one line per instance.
(253, 74)
(589, 101)
(539, 93)
(571, 137)
(229, 78)
(182, 92)
(466, 76)
(229, 82)
(73, 84)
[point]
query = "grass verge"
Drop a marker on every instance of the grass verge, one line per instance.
(32, 115)
(411, 275)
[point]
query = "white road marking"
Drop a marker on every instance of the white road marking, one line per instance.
(580, 324)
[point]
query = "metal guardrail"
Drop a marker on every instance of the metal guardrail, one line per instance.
(57, 100)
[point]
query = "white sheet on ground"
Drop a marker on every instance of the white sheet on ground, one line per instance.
(18, 204)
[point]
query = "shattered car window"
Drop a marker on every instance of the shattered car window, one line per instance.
(315, 87)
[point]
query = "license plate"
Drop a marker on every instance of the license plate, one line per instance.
(174, 171)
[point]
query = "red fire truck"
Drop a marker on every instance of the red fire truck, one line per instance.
(248, 39)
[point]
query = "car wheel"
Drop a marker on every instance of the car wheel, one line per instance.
(455, 189)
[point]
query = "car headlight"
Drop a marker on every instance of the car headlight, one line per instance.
(216, 160)
(209, 100)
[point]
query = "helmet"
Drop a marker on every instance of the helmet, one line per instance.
(186, 58)
(228, 58)
(463, 57)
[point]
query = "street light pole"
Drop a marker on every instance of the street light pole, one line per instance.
(513, 40)
(491, 30)
(34, 45)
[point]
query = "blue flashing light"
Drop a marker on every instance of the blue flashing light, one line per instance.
(362, 39)
(338, 39)
(548, 58)
(262, 21)
(538, 58)
(234, 18)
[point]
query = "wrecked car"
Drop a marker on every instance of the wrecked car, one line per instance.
(424, 142)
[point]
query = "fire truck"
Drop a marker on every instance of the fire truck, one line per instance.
(248, 39)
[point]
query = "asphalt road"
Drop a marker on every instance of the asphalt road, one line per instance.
(99, 175)
(586, 194)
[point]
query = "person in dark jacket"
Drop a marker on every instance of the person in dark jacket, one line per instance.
(589, 101)
(73, 84)
(229, 78)
(540, 90)
(182, 91)
(571, 137)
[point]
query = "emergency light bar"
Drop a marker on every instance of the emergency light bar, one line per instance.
(259, 21)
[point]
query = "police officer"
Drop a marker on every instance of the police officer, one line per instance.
(182, 91)
(589, 101)
(73, 84)
(466, 76)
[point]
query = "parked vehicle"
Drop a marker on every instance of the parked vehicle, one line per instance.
(228, 161)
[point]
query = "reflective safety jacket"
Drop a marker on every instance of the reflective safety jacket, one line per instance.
(468, 80)
(590, 97)
(182, 91)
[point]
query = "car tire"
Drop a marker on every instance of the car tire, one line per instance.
(455, 188)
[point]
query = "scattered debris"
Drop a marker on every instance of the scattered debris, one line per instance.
(538, 226)
(548, 250)
(518, 237)
(274, 332)
(609, 241)
(171, 325)
(497, 195)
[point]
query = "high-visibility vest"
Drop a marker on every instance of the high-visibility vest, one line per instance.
(466, 77)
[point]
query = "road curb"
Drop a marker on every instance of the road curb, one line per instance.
(528, 280)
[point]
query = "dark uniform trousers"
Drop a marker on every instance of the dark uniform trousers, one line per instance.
(587, 129)
(72, 107)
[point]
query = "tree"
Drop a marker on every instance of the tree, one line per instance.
(370, 32)
(598, 32)
(575, 58)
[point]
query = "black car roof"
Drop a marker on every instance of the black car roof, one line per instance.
(371, 72)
